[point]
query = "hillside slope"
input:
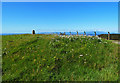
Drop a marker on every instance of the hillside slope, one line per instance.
(51, 57)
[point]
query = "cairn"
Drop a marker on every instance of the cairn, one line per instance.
(33, 31)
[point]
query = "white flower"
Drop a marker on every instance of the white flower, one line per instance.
(99, 38)
(81, 55)
(105, 42)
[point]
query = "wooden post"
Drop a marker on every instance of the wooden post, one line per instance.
(95, 33)
(64, 33)
(77, 32)
(84, 33)
(60, 33)
(70, 33)
(108, 35)
(33, 31)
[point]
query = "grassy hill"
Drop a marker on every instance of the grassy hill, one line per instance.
(50, 57)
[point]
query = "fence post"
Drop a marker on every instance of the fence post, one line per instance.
(60, 33)
(108, 35)
(95, 33)
(77, 32)
(33, 31)
(64, 33)
(70, 33)
(84, 33)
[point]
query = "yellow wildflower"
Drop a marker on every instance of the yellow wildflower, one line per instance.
(34, 60)
(23, 57)
(43, 59)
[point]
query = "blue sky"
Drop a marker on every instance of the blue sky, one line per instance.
(23, 17)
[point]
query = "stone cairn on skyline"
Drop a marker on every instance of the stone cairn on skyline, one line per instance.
(33, 31)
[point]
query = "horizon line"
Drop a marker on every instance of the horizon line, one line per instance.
(55, 31)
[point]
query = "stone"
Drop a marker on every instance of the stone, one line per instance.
(33, 31)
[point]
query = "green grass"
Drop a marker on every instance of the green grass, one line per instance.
(52, 58)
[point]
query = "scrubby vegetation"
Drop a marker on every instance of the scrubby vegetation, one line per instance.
(58, 58)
